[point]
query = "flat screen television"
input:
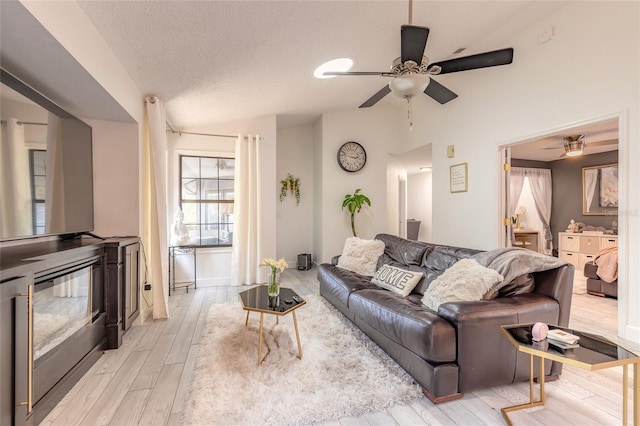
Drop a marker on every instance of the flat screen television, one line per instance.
(46, 166)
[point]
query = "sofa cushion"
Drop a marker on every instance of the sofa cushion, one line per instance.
(398, 280)
(443, 257)
(361, 256)
(406, 252)
(466, 280)
(437, 260)
(519, 285)
(407, 323)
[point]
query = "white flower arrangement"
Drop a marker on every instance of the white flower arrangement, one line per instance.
(276, 265)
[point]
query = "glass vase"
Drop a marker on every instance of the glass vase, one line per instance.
(274, 284)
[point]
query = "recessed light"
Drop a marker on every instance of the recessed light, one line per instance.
(337, 65)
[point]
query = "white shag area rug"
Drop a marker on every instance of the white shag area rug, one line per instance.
(341, 373)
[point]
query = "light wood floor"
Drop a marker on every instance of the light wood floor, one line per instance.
(145, 381)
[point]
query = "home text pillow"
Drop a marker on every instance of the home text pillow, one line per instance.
(397, 280)
(361, 256)
(466, 280)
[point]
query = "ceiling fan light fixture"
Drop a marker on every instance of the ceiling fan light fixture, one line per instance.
(574, 148)
(409, 85)
(334, 65)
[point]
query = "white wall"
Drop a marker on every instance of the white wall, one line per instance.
(294, 223)
(67, 22)
(116, 190)
(419, 202)
(395, 173)
(376, 129)
(318, 186)
(549, 86)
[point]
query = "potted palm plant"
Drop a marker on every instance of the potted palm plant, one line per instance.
(354, 203)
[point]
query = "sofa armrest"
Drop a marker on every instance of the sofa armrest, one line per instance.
(558, 284)
(524, 308)
(485, 355)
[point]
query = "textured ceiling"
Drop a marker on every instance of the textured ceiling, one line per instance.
(219, 61)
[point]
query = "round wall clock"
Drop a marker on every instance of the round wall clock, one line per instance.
(352, 157)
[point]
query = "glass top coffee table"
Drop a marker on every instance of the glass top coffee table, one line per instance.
(258, 300)
(592, 353)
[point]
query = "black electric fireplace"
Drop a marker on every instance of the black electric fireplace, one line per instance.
(68, 320)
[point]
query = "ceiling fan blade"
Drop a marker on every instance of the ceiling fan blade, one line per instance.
(438, 92)
(481, 60)
(384, 74)
(375, 98)
(602, 143)
(554, 147)
(413, 42)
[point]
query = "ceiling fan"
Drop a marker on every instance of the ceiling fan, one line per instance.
(412, 71)
(575, 145)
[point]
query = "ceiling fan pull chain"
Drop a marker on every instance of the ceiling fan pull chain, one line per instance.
(409, 111)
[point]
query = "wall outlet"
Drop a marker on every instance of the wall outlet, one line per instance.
(147, 287)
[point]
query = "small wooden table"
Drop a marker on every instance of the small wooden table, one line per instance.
(594, 353)
(526, 239)
(258, 300)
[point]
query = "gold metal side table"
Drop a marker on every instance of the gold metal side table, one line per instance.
(257, 299)
(594, 353)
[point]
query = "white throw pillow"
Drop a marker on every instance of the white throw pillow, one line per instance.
(361, 256)
(397, 280)
(466, 280)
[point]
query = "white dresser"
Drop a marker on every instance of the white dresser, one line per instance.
(579, 249)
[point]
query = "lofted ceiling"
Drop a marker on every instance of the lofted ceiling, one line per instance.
(220, 61)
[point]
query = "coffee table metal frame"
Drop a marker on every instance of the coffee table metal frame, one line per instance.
(558, 356)
(283, 309)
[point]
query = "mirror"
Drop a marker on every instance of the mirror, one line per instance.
(600, 190)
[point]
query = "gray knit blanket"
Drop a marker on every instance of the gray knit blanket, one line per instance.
(511, 262)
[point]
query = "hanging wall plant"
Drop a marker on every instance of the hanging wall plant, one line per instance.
(290, 184)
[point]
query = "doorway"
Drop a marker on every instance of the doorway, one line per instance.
(599, 141)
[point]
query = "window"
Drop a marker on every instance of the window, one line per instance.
(37, 168)
(206, 199)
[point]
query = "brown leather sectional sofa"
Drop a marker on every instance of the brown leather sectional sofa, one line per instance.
(460, 348)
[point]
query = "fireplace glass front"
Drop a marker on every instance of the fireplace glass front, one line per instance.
(61, 306)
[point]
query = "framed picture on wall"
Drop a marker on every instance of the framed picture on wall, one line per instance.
(600, 190)
(458, 179)
(609, 187)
